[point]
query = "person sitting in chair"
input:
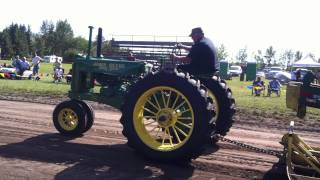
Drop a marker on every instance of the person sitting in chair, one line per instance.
(58, 74)
(69, 76)
(274, 86)
(258, 86)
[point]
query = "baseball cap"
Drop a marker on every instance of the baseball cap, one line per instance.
(196, 30)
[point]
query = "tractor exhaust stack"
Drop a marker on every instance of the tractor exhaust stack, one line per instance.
(99, 43)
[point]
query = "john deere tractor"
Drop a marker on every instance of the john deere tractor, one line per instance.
(167, 114)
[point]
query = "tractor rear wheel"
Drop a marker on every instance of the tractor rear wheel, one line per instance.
(69, 118)
(223, 105)
(165, 117)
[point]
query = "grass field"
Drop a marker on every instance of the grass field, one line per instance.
(241, 92)
(44, 86)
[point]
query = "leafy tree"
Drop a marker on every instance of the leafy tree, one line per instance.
(242, 55)
(270, 55)
(222, 53)
(63, 37)
(14, 40)
(312, 56)
(259, 59)
(47, 37)
(288, 55)
(297, 56)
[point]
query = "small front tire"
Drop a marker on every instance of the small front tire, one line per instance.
(69, 118)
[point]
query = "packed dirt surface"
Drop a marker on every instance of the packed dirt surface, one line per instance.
(31, 148)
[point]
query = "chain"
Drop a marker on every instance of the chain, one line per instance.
(279, 154)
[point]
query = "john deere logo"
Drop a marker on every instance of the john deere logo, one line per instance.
(109, 66)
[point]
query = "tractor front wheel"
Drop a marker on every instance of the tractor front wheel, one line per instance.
(69, 118)
(89, 114)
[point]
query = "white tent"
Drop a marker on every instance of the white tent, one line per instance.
(306, 62)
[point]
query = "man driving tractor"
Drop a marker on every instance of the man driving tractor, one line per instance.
(202, 57)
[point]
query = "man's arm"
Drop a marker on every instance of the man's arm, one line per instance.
(179, 45)
(181, 59)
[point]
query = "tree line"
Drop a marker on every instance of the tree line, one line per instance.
(57, 39)
(266, 58)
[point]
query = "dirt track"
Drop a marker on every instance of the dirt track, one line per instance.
(30, 148)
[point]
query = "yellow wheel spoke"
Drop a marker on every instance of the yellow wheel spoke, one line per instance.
(157, 108)
(176, 134)
(148, 110)
(181, 104)
(185, 111)
(164, 136)
(185, 125)
(185, 135)
(155, 98)
(175, 101)
(170, 137)
(184, 118)
(168, 101)
(163, 99)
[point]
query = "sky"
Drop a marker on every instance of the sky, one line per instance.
(237, 24)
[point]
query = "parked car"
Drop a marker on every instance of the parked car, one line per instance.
(52, 59)
(275, 68)
(273, 71)
(235, 70)
(260, 74)
(283, 77)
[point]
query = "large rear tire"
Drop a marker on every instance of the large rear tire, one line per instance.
(223, 105)
(69, 118)
(165, 117)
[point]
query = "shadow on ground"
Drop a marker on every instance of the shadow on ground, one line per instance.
(87, 161)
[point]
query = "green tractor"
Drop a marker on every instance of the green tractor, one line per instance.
(167, 115)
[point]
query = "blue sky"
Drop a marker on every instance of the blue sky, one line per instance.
(254, 24)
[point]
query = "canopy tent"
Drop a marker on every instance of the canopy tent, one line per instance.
(306, 62)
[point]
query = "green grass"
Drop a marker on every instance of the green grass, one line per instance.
(261, 104)
(44, 86)
(242, 94)
(45, 68)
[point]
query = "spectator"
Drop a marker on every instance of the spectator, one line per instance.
(22, 65)
(298, 75)
(58, 74)
(243, 71)
(258, 86)
(69, 76)
(36, 64)
(15, 60)
(57, 64)
(318, 76)
(274, 86)
(308, 78)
